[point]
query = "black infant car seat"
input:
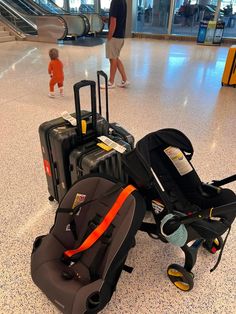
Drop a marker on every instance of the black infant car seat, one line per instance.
(184, 208)
(77, 265)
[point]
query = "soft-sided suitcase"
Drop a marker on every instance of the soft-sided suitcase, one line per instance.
(79, 262)
(58, 138)
(229, 75)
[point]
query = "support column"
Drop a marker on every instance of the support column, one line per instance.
(66, 5)
(217, 12)
(172, 7)
(129, 19)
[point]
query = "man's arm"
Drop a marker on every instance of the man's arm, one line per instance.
(112, 27)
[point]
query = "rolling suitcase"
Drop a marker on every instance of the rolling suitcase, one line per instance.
(92, 158)
(95, 157)
(58, 138)
(229, 75)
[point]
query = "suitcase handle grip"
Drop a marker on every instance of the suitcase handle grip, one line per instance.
(77, 88)
(103, 74)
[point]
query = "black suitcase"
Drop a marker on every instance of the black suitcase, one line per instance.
(91, 158)
(58, 138)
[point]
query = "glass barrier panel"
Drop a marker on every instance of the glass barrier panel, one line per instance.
(152, 16)
(188, 14)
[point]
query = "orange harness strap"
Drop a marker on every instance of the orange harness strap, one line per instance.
(98, 232)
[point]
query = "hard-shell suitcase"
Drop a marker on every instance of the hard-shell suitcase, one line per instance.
(229, 75)
(92, 158)
(58, 138)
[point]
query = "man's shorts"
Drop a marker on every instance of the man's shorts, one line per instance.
(113, 47)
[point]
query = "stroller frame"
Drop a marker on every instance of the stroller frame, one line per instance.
(139, 167)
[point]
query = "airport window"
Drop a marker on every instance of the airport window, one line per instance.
(228, 15)
(59, 3)
(188, 14)
(152, 16)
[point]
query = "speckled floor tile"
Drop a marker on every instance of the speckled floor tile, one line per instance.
(173, 84)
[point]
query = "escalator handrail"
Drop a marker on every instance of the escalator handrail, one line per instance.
(24, 7)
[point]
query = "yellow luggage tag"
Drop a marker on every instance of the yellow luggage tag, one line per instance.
(84, 126)
(104, 146)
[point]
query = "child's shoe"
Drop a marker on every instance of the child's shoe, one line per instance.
(51, 95)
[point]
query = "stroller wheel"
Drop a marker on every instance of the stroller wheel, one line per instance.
(180, 277)
(213, 245)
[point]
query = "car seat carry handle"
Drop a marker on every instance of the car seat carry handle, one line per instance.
(219, 211)
(104, 225)
(101, 73)
(224, 181)
(77, 87)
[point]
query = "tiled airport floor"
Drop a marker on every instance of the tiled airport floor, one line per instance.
(173, 84)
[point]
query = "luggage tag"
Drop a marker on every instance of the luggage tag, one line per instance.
(112, 144)
(84, 126)
(104, 146)
(68, 117)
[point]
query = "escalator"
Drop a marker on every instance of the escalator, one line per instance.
(93, 21)
(46, 23)
(17, 20)
(77, 25)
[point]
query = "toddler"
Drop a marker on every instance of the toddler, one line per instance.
(55, 70)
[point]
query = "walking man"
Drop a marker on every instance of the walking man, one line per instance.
(115, 41)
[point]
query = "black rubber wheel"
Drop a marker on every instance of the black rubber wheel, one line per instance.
(51, 198)
(222, 84)
(180, 277)
(213, 246)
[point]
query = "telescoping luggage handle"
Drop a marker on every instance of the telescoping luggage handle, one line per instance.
(77, 88)
(101, 73)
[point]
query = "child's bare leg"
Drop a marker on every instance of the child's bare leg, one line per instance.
(51, 88)
(60, 85)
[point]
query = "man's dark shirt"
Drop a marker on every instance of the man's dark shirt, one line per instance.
(118, 9)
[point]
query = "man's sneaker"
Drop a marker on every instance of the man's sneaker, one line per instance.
(109, 85)
(51, 95)
(123, 84)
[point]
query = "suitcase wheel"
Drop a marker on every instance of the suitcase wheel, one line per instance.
(51, 198)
